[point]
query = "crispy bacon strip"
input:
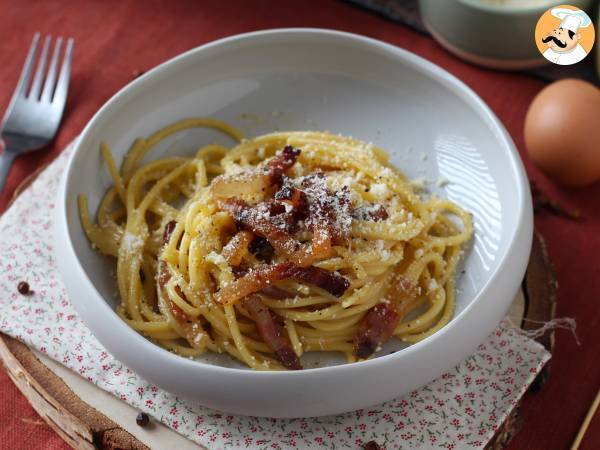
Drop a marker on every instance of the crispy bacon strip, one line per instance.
(328, 213)
(240, 271)
(376, 213)
(320, 247)
(332, 282)
(261, 248)
(321, 242)
(271, 332)
(252, 185)
(254, 281)
(278, 165)
(258, 220)
(375, 328)
(378, 325)
(295, 196)
(169, 229)
(237, 248)
(319, 216)
(263, 276)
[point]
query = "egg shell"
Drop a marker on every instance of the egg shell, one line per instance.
(562, 132)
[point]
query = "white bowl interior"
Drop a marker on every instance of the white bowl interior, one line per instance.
(301, 82)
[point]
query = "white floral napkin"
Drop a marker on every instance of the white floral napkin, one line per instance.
(461, 409)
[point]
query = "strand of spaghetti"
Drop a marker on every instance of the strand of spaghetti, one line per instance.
(152, 171)
(328, 312)
(290, 327)
(187, 352)
(104, 209)
(131, 157)
(427, 319)
(336, 323)
(95, 234)
(173, 295)
(250, 359)
(345, 333)
(148, 326)
(161, 335)
(293, 302)
(443, 321)
(112, 169)
(149, 143)
(132, 244)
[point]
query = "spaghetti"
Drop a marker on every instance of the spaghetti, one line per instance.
(287, 243)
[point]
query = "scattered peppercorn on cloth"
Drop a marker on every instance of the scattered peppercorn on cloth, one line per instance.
(461, 409)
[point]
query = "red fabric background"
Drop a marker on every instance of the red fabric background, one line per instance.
(116, 39)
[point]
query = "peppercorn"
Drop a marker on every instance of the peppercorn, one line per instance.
(142, 419)
(23, 288)
(371, 445)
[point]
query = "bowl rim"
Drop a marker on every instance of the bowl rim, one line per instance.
(522, 204)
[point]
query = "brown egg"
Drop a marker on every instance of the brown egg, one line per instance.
(562, 132)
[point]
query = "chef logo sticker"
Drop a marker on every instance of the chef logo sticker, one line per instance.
(564, 35)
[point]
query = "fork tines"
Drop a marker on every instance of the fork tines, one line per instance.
(49, 90)
(35, 110)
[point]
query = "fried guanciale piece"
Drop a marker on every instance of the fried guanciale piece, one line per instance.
(237, 248)
(378, 325)
(261, 248)
(313, 206)
(263, 221)
(375, 328)
(375, 213)
(256, 183)
(264, 276)
(271, 332)
(278, 165)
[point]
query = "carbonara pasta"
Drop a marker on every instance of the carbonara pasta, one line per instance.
(287, 243)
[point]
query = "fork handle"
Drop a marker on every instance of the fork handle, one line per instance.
(6, 159)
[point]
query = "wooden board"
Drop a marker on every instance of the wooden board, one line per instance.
(84, 427)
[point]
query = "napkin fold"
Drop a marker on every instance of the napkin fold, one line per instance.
(461, 409)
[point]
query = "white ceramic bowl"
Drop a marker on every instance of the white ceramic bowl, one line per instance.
(431, 123)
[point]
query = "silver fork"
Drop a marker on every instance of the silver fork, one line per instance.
(34, 113)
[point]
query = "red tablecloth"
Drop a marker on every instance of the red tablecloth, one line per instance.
(116, 39)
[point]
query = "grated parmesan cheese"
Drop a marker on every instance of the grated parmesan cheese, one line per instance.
(379, 190)
(131, 243)
(433, 285)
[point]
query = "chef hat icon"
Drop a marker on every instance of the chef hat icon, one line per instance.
(571, 20)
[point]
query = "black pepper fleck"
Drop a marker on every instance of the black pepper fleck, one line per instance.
(142, 419)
